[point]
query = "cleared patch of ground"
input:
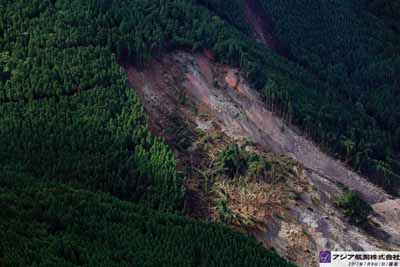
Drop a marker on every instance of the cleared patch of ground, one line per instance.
(201, 107)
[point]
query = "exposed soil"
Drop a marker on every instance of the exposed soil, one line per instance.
(211, 105)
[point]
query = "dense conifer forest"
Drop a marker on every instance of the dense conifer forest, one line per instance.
(353, 48)
(84, 181)
(49, 224)
(339, 82)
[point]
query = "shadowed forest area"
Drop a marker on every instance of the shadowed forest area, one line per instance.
(85, 182)
(341, 84)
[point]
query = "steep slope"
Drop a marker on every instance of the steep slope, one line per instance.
(262, 26)
(68, 120)
(83, 182)
(49, 224)
(347, 102)
(215, 99)
(352, 111)
(354, 50)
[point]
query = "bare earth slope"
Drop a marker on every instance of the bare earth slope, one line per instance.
(306, 224)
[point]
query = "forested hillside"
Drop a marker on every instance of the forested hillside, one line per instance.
(74, 142)
(340, 81)
(340, 84)
(349, 103)
(72, 134)
(356, 55)
(55, 225)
